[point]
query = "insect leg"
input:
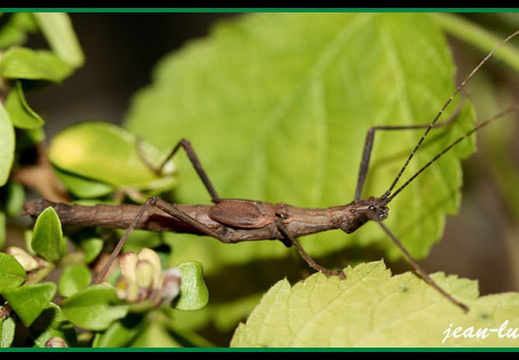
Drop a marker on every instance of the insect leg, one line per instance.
(100, 277)
(193, 158)
(170, 209)
(313, 264)
(421, 270)
(368, 146)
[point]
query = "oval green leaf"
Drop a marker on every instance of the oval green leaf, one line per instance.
(47, 237)
(12, 274)
(7, 331)
(92, 248)
(30, 300)
(107, 153)
(94, 308)
(15, 199)
(20, 112)
(194, 294)
(371, 308)
(24, 63)
(7, 142)
(74, 278)
(58, 30)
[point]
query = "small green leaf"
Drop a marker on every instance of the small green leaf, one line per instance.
(47, 238)
(7, 331)
(30, 300)
(193, 290)
(21, 114)
(52, 323)
(12, 274)
(14, 29)
(92, 247)
(60, 34)
(121, 333)
(372, 308)
(108, 153)
(24, 63)
(94, 308)
(15, 199)
(7, 142)
(73, 279)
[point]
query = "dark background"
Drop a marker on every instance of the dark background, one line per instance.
(120, 50)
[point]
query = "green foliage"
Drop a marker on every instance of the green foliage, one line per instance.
(47, 238)
(277, 107)
(95, 308)
(7, 329)
(23, 63)
(80, 152)
(373, 308)
(74, 278)
(29, 301)
(22, 115)
(6, 145)
(194, 293)
(12, 274)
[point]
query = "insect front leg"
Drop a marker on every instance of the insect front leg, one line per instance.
(370, 138)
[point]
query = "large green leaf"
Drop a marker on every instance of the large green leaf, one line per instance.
(373, 308)
(278, 105)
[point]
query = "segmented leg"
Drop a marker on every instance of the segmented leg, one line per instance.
(311, 262)
(368, 146)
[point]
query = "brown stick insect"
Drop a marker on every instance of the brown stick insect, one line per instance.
(239, 220)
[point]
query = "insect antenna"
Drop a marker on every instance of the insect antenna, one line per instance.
(388, 198)
(388, 195)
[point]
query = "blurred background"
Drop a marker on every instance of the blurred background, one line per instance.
(121, 50)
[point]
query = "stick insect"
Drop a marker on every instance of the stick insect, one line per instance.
(239, 220)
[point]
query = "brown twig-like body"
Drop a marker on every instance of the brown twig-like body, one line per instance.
(234, 220)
